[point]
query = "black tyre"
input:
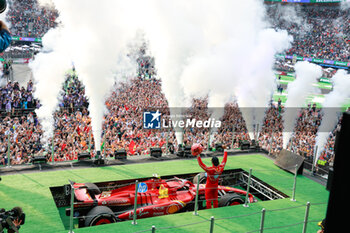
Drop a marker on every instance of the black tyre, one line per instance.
(202, 178)
(230, 199)
(100, 215)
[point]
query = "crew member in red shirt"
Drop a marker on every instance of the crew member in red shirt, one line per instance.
(213, 174)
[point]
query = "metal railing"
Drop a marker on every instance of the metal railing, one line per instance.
(304, 222)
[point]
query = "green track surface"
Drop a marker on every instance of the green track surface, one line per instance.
(288, 79)
(312, 98)
(31, 192)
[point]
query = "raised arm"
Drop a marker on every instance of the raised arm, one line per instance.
(201, 164)
(224, 160)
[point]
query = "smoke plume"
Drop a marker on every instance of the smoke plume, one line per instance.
(94, 38)
(221, 49)
(200, 47)
(332, 108)
(306, 75)
(49, 69)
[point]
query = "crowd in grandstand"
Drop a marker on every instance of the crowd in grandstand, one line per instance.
(14, 97)
(73, 93)
(28, 19)
(24, 136)
(123, 125)
(71, 135)
(322, 34)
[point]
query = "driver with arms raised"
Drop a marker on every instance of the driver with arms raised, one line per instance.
(213, 174)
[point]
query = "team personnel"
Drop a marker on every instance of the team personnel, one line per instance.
(5, 37)
(213, 173)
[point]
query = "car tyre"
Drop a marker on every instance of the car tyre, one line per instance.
(230, 199)
(202, 178)
(100, 215)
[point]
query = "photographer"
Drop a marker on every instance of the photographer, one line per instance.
(5, 37)
(11, 220)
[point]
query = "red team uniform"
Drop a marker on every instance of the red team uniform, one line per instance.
(213, 174)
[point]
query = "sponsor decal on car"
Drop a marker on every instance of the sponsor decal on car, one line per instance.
(159, 208)
(142, 187)
(163, 192)
(139, 213)
(106, 194)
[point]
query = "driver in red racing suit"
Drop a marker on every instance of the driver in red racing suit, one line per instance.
(213, 174)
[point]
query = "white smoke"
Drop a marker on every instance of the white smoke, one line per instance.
(221, 48)
(174, 38)
(49, 69)
(47, 3)
(306, 75)
(200, 47)
(258, 82)
(332, 108)
(96, 45)
(345, 5)
(290, 15)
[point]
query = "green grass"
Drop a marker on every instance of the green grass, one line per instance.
(288, 79)
(311, 99)
(31, 191)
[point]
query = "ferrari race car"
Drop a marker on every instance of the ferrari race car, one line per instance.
(155, 197)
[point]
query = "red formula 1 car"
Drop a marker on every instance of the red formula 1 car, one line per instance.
(155, 197)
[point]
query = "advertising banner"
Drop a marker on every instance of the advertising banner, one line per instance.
(315, 60)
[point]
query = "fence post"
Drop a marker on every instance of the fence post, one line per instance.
(135, 203)
(153, 229)
(262, 220)
(71, 209)
(208, 147)
(211, 224)
(313, 161)
(233, 138)
(247, 195)
(306, 216)
(89, 142)
(196, 199)
(295, 182)
(167, 142)
(53, 149)
(103, 150)
(8, 150)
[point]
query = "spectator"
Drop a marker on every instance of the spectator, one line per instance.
(322, 34)
(28, 19)
(5, 37)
